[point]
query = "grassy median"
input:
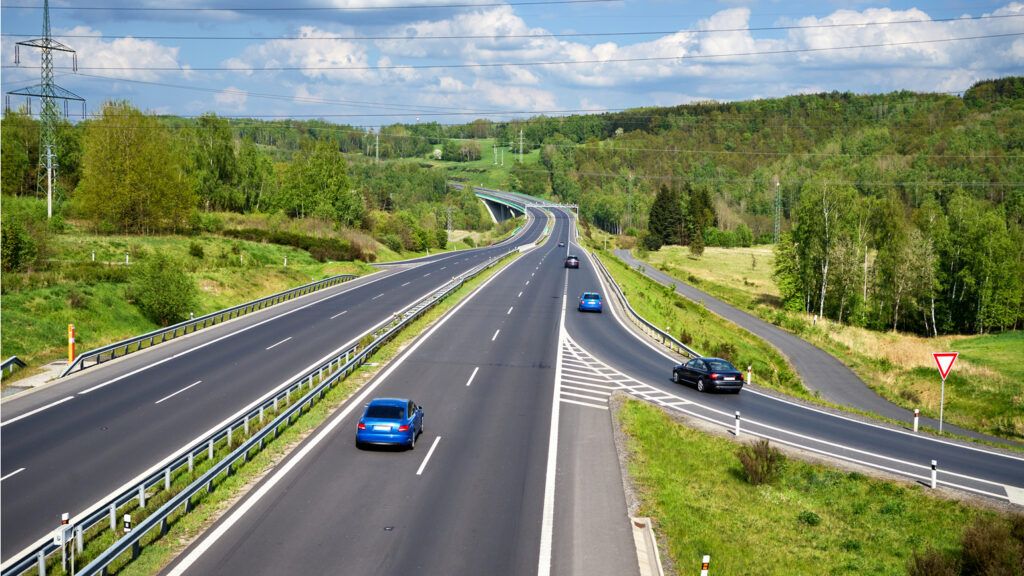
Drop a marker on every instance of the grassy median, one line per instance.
(813, 519)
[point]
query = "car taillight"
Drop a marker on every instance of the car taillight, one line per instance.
(714, 376)
(403, 428)
(362, 426)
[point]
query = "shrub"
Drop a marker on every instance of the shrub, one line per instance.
(195, 249)
(991, 548)
(393, 242)
(762, 463)
(162, 289)
(932, 563)
(441, 238)
(725, 350)
(18, 247)
(808, 518)
(320, 248)
(469, 241)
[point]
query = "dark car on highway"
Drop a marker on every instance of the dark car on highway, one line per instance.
(561, 244)
(395, 421)
(572, 262)
(709, 374)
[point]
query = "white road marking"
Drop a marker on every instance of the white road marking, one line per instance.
(178, 392)
(406, 284)
(279, 343)
(11, 474)
(509, 311)
(582, 389)
(427, 458)
(547, 525)
(339, 314)
(427, 274)
(313, 442)
(473, 375)
(1015, 495)
(495, 337)
(37, 410)
(583, 396)
(583, 404)
(519, 295)
(443, 267)
(527, 282)
(377, 296)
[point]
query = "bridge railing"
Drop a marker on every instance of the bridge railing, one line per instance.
(317, 382)
(136, 343)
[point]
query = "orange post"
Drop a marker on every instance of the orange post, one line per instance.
(71, 343)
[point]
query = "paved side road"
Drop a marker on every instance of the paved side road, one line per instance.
(819, 370)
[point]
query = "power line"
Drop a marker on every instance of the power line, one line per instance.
(315, 8)
(529, 36)
(543, 63)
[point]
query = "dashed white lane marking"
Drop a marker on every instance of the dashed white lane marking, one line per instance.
(168, 397)
(495, 337)
(406, 284)
(427, 274)
(443, 267)
(279, 343)
(339, 314)
(377, 296)
(520, 295)
(5, 477)
(584, 377)
(509, 311)
(527, 282)
(37, 410)
(473, 375)
(429, 454)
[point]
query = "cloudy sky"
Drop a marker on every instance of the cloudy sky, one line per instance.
(371, 62)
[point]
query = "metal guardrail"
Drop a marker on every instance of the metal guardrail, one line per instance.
(648, 327)
(11, 363)
(136, 343)
(317, 380)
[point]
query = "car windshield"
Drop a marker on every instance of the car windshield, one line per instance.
(573, 258)
(720, 366)
(591, 296)
(385, 412)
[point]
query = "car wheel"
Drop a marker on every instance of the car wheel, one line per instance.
(700, 385)
(359, 445)
(675, 377)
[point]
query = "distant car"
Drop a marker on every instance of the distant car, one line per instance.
(572, 262)
(709, 374)
(390, 421)
(590, 302)
(561, 244)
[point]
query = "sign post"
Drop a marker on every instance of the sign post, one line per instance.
(944, 360)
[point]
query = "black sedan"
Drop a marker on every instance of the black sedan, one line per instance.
(572, 262)
(709, 374)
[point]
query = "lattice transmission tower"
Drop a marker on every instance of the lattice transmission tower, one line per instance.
(49, 93)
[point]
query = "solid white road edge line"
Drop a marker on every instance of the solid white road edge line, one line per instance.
(339, 314)
(11, 474)
(36, 411)
(178, 392)
(473, 375)
(325, 431)
(547, 525)
(427, 457)
(279, 343)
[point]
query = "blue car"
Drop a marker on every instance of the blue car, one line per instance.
(394, 421)
(590, 302)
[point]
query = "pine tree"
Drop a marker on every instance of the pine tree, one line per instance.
(665, 222)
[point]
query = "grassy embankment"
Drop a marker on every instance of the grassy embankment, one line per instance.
(484, 172)
(814, 519)
(984, 392)
(74, 289)
(158, 552)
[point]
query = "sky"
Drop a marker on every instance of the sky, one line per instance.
(375, 62)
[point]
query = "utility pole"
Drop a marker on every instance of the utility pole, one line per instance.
(778, 209)
(378, 144)
(449, 209)
(494, 152)
(48, 92)
(502, 156)
(520, 145)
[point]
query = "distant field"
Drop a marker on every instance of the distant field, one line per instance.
(485, 172)
(985, 391)
(814, 520)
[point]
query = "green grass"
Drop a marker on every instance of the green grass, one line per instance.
(484, 172)
(1002, 352)
(692, 484)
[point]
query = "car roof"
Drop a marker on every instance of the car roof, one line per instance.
(389, 402)
(573, 256)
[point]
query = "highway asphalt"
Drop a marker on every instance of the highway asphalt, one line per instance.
(470, 499)
(819, 370)
(73, 443)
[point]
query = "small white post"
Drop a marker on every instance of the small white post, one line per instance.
(191, 462)
(704, 564)
(167, 478)
(935, 474)
(750, 374)
(126, 258)
(79, 539)
(191, 315)
(917, 416)
(285, 261)
(113, 517)
(93, 255)
(127, 523)
(737, 430)
(142, 496)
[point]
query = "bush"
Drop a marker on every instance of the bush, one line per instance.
(195, 249)
(762, 463)
(162, 289)
(933, 563)
(322, 249)
(393, 242)
(18, 247)
(992, 548)
(441, 238)
(808, 518)
(469, 241)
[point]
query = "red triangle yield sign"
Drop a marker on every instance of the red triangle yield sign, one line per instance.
(945, 360)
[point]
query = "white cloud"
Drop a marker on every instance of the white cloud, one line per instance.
(231, 97)
(123, 53)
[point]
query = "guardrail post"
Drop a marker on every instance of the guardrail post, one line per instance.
(210, 449)
(167, 478)
(41, 563)
(113, 516)
(917, 415)
(261, 414)
(245, 426)
(737, 429)
(275, 403)
(935, 474)
(191, 462)
(229, 436)
(142, 495)
(79, 540)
